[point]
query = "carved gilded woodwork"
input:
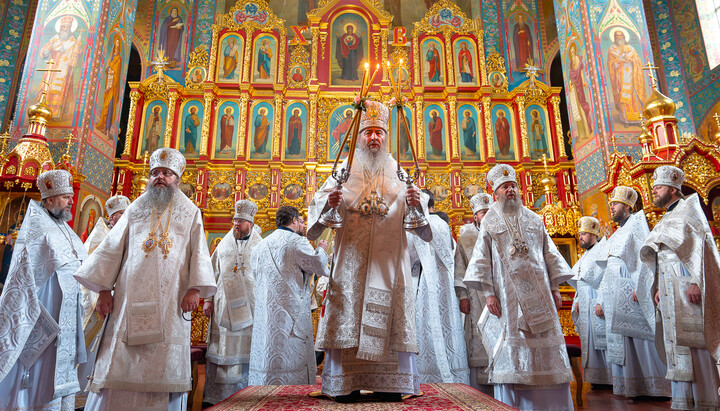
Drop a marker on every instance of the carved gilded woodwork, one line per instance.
(454, 135)
(520, 101)
(220, 197)
(134, 97)
(170, 123)
(189, 178)
(299, 57)
(242, 133)
(471, 183)
(290, 183)
(276, 137)
(439, 185)
(537, 188)
(487, 119)
(555, 100)
(257, 188)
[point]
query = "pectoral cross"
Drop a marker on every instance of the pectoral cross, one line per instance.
(165, 244)
(650, 67)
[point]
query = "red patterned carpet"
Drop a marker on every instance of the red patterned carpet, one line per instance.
(296, 397)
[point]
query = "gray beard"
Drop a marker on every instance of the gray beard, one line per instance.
(510, 207)
(373, 161)
(158, 197)
(60, 214)
(64, 35)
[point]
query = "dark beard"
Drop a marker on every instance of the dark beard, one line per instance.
(158, 197)
(620, 217)
(663, 201)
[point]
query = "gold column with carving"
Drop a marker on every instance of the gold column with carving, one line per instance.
(384, 44)
(213, 54)
(314, 47)
(555, 100)
(243, 124)
(312, 124)
(277, 124)
(488, 127)
(520, 100)
(449, 61)
(246, 64)
(454, 138)
(420, 141)
(416, 67)
(208, 97)
(481, 52)
(170, 122)
(134, 97)
(281, 59)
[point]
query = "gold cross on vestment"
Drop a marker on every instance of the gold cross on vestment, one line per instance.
(716, 116)
(650, 67)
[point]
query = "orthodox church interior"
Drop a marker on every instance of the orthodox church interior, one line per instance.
(577, 96)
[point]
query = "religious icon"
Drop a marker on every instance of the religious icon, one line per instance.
(340, 121)
(111, 89)
(171, 38)
(293, 192)
(504, 147)
(497, 79)
(64, 48)
(468, 133)
(187, 189)
(89, 227)
(198, 75)
(439, 192)
(295, 143)
(522, 42)
(191, 126)
(261, 122)
(228, 68)
(577, 100)
(536, 131)
(226, 131)
(262, 127)
(265, 59)
(221, 191)
(472, 189)
(258, 192)
(154, 126)
(298, 75)
(464, 62)
(350, 31)
(405, 153)
(432, 62)
(625, 71)
(90, 211)
(435, 137)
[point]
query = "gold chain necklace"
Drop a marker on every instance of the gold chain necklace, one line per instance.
(165, 243)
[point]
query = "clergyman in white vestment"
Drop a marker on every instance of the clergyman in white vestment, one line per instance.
(368, 330)
(41, 339)
(682, 250)
(518, 268)
(586, 281)
(231, 309)
(92, 322)
(157, 264)
(472, 301)
(442, 357)
(282, 351)
(625, 302)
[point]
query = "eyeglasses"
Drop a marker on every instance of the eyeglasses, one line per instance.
(165, 173)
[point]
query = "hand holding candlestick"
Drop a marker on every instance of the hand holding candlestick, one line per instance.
(415, 217)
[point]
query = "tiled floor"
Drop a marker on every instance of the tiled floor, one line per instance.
(592, 399)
